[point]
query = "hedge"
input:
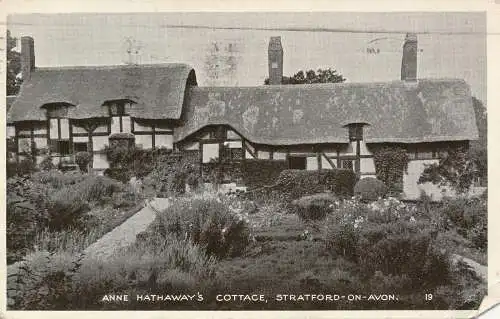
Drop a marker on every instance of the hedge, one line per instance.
(259, 172)
(297, 183)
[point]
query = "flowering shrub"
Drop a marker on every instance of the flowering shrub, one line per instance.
(386, 236)
(208, 222)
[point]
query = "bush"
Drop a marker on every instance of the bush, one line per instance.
(43, 282)
(93, 188)
(125, 161)
(66, 208)
(313, 207)
(342, 239)
(58, 281)
(385, 236)
(370, 189)
(297, 183)
(24, 167)
(46, 164)
(470, 216)
(82, 159)
(207, 222)
(171, 177)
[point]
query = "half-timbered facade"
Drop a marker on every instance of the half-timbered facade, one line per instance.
(318, 126)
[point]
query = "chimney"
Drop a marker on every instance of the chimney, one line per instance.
(409, 63)
(275, 60)
(27, 57)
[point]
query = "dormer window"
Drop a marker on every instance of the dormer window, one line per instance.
(120, 119)
(355, 132)
(356, 145)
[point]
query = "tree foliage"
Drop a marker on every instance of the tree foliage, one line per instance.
(454, 169)
(461, 165)
(13, 66)
(310, 77)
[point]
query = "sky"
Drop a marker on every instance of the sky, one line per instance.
(228, 49)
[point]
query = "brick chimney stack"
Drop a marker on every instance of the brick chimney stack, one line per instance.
(409, 62)
(27, 57)
(275, 60)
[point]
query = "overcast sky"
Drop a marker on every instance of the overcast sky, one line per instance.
(452, 45)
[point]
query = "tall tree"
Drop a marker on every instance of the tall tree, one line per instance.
(309, 77)
(13, 66)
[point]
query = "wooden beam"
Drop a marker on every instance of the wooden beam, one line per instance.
(329, 160)
(245, 148)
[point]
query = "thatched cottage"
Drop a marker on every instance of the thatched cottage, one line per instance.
(316, 126)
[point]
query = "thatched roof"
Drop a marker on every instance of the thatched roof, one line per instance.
(8, 103)
(399, 112)
(157, 90)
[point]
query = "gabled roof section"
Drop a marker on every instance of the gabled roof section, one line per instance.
(398, 112)
(157, 90)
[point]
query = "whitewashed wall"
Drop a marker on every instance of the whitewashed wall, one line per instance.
(412, 189)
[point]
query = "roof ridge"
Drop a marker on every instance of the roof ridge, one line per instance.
(109, 67)
(347, 84)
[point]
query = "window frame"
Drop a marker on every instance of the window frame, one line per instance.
(54, 144)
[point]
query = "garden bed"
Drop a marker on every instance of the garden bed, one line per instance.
(223, 244)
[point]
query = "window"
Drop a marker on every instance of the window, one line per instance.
(117, 109)
(297, 162)
(120, 121)
(232, 154)
(59, 136)
(32, 137)
(59, 129)
(60, 147)
(347, 164)
(80, 147)
(355, 132)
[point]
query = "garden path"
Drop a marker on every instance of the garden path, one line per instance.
(479, 269)
(125, 234)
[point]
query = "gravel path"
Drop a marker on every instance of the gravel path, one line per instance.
(125, 234)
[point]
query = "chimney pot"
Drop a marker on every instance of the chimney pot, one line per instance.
(275, 60)
(27, 57)
(409, 61)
